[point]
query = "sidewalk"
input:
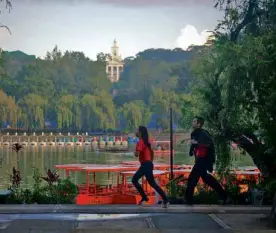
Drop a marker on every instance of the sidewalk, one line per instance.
(160, 223)
(176, 219)
(129, 209)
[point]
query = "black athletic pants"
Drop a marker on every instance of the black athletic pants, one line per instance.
(146, 169)
(200, 170)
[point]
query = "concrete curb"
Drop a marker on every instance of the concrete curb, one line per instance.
(131, 209)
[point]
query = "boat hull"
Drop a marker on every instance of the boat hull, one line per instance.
(86, 199)
(132, 199)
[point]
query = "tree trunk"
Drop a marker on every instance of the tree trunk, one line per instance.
(273, 212)
(262, 157)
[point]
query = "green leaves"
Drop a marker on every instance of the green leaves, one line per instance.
(8, 108)
(135, 113)
(45, 190)
(33, 110)
(235, 85)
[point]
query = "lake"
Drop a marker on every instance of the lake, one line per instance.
(46, 157)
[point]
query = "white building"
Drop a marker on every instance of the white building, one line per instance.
(114, 64)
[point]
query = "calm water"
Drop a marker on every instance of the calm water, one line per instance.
(46, 157)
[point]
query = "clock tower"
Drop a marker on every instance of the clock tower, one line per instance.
(114, 64)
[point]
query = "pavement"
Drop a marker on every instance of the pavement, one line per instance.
(201, 220)
(129, 209)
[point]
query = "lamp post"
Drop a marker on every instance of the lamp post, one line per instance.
(16, 120)
(171, 144)
(44, 115)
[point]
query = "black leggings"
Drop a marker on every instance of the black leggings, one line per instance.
(146, 169)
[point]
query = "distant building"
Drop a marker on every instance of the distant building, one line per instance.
(114, 64)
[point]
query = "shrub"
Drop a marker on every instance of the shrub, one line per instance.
(46, 190)
(205, 195)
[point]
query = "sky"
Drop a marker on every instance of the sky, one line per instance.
(91, 26)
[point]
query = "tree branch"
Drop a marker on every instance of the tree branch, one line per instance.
(253, 137)
(4, 26)
(257, 151)
(248, 17)
(9, 8)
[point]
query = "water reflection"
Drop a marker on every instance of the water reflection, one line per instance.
(46, 157)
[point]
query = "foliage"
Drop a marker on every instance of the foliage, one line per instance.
(268, 187)
(6, 4)
(136, 113)
(17, 147)
(74, 91)
(235, 87)
(8, 108)
(15, 178)
(232, 187)
(54, 191)
(235, 84)
(51, 178)
(205, 195)
(175, 187)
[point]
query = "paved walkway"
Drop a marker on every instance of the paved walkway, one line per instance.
(129, 209)
(132, 219)
(146, 223)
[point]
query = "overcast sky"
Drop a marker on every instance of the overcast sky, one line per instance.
(91, 26)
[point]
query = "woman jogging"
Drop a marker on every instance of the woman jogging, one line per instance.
(145, 155)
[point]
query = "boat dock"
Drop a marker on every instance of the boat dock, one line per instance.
(102, 142)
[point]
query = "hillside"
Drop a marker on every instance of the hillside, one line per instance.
(73, 91)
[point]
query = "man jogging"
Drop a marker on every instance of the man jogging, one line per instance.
(202, 147)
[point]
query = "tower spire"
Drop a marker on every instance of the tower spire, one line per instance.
(115, 43)
(115, 64)
(115, 49)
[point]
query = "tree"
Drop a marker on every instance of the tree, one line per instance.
(158, 68)
(6, 4)
(236, 83)
(68, 80)
(33, 79)
(107, 109)
(6, 82)
(66, 110)
(33, 110)
(89, 112)
(135, 114)
(160, 103)
(8, 109)
(102, 57)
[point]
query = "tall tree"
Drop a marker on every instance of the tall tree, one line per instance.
(33, 110)
(66, 110)
(8, 109)
(7, 5)
(236, 82)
